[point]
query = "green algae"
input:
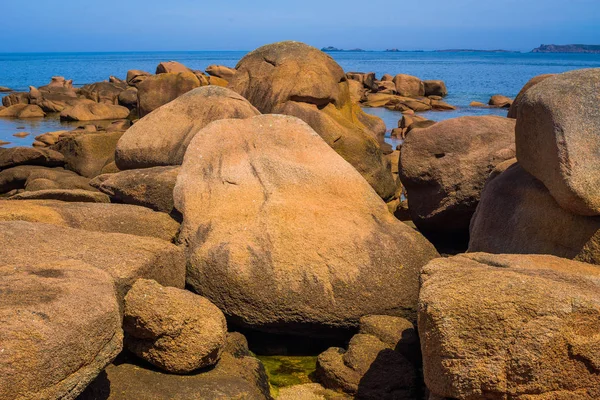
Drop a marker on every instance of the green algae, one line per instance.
(289, 370)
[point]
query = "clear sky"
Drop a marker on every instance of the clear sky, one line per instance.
(146, 25)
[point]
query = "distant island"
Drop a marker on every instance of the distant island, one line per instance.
(331, 48)
(475, 51)
(403, 51)
(567, 48)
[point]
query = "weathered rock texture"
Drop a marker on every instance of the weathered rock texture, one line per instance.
(244, 255)
(514, 107)
(162, 137)
(60, 327)
(557, 138)
(444, 168)
(157, 90)
(295, 79)
(88, 154)
(116, 218)
(15, 156)
(521, 327)
(238, 375)
(173, 329)
(517, 215)
(125, 257)
(148, 187)
(374, 366)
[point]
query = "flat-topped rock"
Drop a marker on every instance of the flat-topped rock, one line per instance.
(510, 326)
(93, 112)
(444, 169)
(67, 195)
(15, 156)
(125, 257)
(116, 218)
(238, 375)
(61, 326)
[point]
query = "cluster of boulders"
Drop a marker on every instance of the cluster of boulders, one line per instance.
(402, 92)
(139, 94)
(130, 255)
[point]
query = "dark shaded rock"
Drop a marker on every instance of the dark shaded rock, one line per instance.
(444, 168)
(148, 187)
(435, 88)
(88, 153)
(115, 218)
(15, 156)
(234, 377)
(33, 177)
(518, 215)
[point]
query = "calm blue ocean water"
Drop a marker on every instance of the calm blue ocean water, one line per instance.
(468, 76)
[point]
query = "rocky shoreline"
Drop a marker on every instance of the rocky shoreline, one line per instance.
(197, 219)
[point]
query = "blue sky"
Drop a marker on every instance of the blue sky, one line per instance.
(128, 25)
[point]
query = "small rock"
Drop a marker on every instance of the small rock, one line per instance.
(94, 112)
(21, 134)
(477, 104)
(173, 329)
(500, 101)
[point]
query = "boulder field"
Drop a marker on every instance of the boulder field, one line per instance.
(195, 208)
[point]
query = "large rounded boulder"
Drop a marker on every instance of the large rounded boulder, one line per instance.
(520, 327)
(557, 138)
(161, 137)
(284, 235)
(517, 215)
(444, 168)
(296, 79)
(514, 107)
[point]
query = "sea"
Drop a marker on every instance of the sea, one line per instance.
(469, 76)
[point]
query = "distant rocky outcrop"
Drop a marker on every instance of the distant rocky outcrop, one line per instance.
(331, 48)
(567, 48)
